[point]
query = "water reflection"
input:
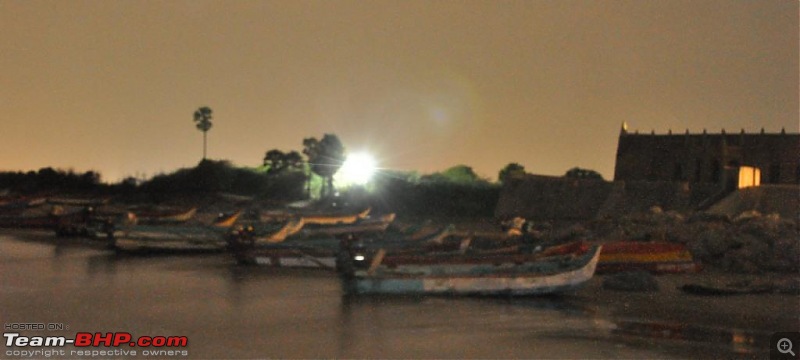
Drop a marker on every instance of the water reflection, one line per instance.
(228, 310)
(736, 340)
(101, 264)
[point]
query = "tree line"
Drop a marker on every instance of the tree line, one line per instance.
(283, 175)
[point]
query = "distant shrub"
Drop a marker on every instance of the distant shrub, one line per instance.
(50, 180)
(211, 176)
(459, 174)
(578, 173)
(431, 196)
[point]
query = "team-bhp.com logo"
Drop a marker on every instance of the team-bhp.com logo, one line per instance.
(85, 339)
(152, 345)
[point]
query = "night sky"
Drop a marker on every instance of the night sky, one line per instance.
(424, 85)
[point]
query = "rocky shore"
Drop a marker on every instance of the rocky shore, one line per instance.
(749, 243)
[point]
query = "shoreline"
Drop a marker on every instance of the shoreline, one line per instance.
(667, 322)
(759, 312)
(774, 311)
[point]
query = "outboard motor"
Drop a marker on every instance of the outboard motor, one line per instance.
(352, 255)
(241, 238)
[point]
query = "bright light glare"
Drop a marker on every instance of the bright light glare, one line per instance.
(357, 169)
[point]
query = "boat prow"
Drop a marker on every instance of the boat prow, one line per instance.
(536, 277)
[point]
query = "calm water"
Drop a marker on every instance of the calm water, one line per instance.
(230, 311)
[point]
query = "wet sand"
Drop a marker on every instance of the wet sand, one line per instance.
(739, 323)
(230, 311)
(758, 312)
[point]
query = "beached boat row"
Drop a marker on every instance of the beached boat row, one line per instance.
(371, 256)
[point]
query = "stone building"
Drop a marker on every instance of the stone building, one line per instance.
(544, 198)
(707, 158)
(681, 172)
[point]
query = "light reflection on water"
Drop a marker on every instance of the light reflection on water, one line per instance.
(230, 311)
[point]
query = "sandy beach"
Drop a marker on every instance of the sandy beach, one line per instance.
(755, 312)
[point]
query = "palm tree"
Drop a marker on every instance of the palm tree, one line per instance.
(202, 119)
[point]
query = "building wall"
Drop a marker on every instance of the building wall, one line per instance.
(707, 158)
(537, 197)
(540, 198)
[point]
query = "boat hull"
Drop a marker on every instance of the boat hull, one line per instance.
(317, 252)
(288, 256)
(174, 239)
(524, 279)
(654, 257)
(166, 218)
(129, 245)
(166, 239)
(295, 261)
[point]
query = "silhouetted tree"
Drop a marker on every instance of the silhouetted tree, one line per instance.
(275, 159)
(325, 157)
(311, 150)
(90, 178)
(512, 170)
(578, 173)
(293, 160)
(202, 119)
(459, 174)
(50, 179)
(279, 161)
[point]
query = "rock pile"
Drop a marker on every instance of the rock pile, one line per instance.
(750, 242)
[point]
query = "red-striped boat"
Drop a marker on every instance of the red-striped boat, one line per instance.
(657, 257)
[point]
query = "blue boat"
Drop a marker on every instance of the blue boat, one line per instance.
(454, 274)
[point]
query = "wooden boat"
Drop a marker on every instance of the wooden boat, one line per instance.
(318, 252)
(362, 226)
(270, 234)
(314, 218)
(41, 217)
(46, 221)
(335, 219)
(234, 198)
(165, 217)
(289, 255)
(298, 229)
(508, 234)
(77, 201)
(273, 216)
(519, 274)
(15, 206)
(175, 238)
(656, 257)
(94, 221)
(226, 221)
